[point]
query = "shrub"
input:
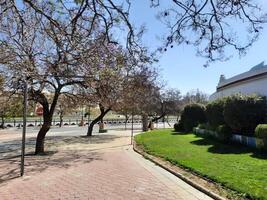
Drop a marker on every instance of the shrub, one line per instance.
(178, 127)
(192, 115)
(214, 113)
(202, 126)
(244, 113)
(224, 133)
(261, 131)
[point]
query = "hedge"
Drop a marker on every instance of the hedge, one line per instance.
(192, 115)
(224, 133)
(214, 113)
(244, 113)
(178, 127)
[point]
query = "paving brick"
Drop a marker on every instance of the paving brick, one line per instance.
(93, 170)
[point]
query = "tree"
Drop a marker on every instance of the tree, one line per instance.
(143, 88)
(212, 26)
(111, 85)
(168, 102)
(195, 96)
(10, 106)
(66, 105)
(50, 42)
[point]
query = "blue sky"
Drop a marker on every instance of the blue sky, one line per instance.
(181, 68)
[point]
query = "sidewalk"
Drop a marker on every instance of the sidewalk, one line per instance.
(101, 167)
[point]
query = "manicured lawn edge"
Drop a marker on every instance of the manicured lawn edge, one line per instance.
(163, 164)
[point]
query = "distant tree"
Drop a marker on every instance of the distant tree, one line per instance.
(10, 106)
(195, 96)
(107, 88)
(66, 105)
(143, 90)
(167, 102)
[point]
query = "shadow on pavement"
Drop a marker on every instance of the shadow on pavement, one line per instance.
(55, 156)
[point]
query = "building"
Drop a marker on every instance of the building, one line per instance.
(253, 81)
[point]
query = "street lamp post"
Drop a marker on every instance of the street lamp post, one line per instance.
(25, 105)
(132, 129)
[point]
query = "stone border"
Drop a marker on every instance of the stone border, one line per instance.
(254, 142)
(163, 165)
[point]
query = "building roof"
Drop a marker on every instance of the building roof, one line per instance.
(258, 70)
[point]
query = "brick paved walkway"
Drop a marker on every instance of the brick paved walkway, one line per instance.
(102, 167)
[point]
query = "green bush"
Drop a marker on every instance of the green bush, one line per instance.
(261, 131)
(244, 113)
(178, 127)
(214, 113)
(192, 115)
(224, 133)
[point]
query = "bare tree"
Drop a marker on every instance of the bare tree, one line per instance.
(167, 102)
(111, 83)
(195, 96)
(66, 105)
(50, 42)
(212, 25)
(142, 89)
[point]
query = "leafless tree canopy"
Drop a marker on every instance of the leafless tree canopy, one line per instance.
(58, 45)
(212, 25)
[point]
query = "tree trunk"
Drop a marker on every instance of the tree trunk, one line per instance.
(2, 122)
(39, 147)
(168, 121)
(48, 117)
(145, 122)
(158, 118)
(151, 125)
(60, 120)
(126, 120)
(99, 118)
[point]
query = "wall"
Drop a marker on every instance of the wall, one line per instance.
(252, 86)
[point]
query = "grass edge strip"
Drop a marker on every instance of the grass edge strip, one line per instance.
(182, 177)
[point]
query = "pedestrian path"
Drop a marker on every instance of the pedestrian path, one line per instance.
(101, 167)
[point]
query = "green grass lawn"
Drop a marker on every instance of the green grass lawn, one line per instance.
(237, 167)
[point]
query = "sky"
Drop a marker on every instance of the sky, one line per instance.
(181, 68)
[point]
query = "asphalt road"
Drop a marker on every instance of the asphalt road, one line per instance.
(76, 130)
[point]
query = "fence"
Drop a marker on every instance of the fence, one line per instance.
(72, 122)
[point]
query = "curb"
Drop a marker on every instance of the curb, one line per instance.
(182, 177)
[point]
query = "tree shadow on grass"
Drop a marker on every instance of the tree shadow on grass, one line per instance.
(179, 133)
(230, 148)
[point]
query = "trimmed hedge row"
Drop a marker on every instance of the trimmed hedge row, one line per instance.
(241, 113)
(238, 113)
(244, 113)
(191, 116)
(214, 113)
